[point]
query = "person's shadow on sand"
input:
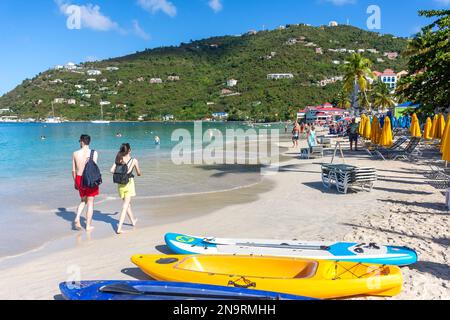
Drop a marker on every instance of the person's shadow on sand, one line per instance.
(98, 216)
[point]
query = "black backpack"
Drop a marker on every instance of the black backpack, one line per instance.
(121, 175)
(92, 178)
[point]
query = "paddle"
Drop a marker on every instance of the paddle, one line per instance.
(276, 246)
(121, 288)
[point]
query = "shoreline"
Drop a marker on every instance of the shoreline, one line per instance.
(284, 208)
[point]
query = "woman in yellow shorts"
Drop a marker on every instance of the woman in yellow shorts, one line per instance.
(124, 161)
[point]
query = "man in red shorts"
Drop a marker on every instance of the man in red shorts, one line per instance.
(79, 161)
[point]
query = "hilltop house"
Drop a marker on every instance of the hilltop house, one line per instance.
(252, 32)
(277, 76)
(58, 67)
(333, 24)
(70, 66)
(232, 83)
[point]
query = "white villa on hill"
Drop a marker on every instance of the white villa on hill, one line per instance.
(156, 80)
(93, 72)
(277, 76)
(173, 78)
(105, 103)
(71, 101)
(232, 83)
(91, 80)
(333, 24)
(70, 66)
(112, 68)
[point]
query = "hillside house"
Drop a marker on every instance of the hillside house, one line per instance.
(58, 67)
(337, 62)
(374, 51)
(380, 60)
(168, 117)
(5, 110)
(91, 80)
(105, 103)
(220, 115)
(59, 100)
(391, 55)
(389, 77)
(56, 81)
(79, 86)
(333, 24)
(278, 76)
(252, 32)
(232, 82)
(173, 78)
(93, 72)
(319, 51)
(156, 81)
(112, 69)
(361, 50)
(71, 102)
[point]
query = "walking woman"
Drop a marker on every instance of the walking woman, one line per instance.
(123, 169)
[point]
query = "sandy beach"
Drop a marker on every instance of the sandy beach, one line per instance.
(402, 210)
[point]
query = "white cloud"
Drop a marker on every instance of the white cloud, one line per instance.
(216, 5)
(137, 30)
(153, 6)
(341, 2)
(90, 16)
(443, 2)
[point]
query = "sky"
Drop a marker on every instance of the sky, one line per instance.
(37, 35)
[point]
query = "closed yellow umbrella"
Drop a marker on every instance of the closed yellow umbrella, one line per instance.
(434, 127)
(415, 127)
(386, 139)
(367, 129)
(376, 131)
(362, 125)
(446, 146)
(427, 130)
(446, 133)
(440, 127)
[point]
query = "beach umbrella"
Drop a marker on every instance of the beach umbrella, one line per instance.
(434, 126)
(427, 130)
(386, 139)
(367, 129)
(376, 131)
(445, 145)
(446, 133)
(415, 127)
(440, 127)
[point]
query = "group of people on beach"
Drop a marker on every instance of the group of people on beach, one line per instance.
(127, 191)
(351, 130)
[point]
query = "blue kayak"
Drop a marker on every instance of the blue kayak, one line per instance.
(154, 290)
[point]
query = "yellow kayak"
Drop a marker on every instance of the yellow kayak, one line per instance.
(310, 278)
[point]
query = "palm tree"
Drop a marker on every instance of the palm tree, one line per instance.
(381, 96)
(363, 100)
(357, 74)
(342, 100)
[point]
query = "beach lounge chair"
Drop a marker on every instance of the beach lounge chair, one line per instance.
(346, 177)
(314, 152)
(440, 181)
(396, 146)
(410, 151)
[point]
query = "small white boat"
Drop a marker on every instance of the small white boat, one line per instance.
(53, 120)
(101, 121)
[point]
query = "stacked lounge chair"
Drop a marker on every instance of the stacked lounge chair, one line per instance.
(396, 152)
(346, 177)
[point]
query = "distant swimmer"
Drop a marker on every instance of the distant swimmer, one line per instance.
(43, 138)
(157, 141)
(118, 135)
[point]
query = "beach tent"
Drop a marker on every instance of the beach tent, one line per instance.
(427, 129)
(386, 139)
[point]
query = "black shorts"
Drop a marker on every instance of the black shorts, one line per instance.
(353, 138)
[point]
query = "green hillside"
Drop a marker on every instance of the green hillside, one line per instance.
(204, 67)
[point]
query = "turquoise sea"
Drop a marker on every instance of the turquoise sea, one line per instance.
(35, 174)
